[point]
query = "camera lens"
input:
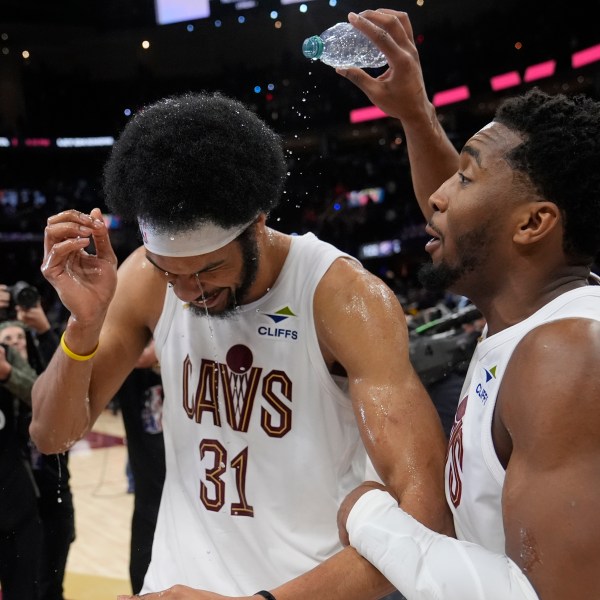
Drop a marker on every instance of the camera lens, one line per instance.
(25, 295)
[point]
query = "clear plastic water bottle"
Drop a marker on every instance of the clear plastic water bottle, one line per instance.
(343, 46)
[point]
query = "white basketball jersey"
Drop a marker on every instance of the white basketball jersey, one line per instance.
(261, 443)
(474, 475)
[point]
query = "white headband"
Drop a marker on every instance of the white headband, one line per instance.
(202, 239)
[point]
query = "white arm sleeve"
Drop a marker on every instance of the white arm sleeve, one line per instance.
(424, 565)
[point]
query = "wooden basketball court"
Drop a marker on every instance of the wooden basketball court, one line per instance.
(98, 563)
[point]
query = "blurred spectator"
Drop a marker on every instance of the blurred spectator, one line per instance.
(443, 338)
(20, 526)
(34, 339)
(140, 399)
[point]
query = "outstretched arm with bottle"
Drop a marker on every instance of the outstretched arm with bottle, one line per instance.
(400, 92)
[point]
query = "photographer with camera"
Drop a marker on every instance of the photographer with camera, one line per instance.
(20, 525)
(22, 302)
(32, 335)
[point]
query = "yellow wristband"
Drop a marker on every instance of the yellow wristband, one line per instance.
(72, 354)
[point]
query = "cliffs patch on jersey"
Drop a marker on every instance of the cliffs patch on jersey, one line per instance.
(282, 324)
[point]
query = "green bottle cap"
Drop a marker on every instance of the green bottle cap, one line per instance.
(313, 47)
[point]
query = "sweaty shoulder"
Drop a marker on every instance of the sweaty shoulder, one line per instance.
(354, 306)
(349, 285)
(551, 382)
(140, 288)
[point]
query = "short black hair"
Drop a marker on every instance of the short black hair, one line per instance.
(194, 158)
(560, 155)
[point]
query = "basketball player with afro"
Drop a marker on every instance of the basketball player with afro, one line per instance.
(285, 363)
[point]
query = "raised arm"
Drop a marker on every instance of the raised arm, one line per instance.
(76, 386)
(400, 92)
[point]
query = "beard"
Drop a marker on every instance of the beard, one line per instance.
(472, 252)
(250, 262)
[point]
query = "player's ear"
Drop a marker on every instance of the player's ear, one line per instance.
(260, 223)
(536, 221)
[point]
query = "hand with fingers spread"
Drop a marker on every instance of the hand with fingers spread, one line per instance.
(400, 92)
(85, 282)
(400, 89)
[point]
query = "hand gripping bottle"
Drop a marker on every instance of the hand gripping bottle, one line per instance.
(343, 46)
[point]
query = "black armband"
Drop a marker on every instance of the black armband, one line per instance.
(265, 594)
